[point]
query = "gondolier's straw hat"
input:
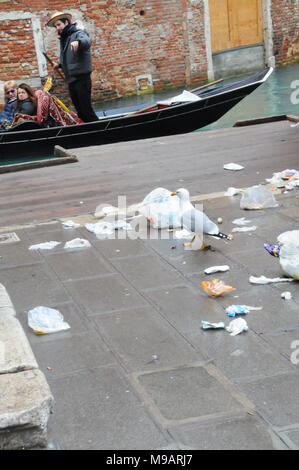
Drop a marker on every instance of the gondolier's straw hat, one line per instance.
(58, 15)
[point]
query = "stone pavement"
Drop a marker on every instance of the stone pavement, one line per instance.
(136, 370)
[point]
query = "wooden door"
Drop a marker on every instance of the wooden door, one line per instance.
(235, 23)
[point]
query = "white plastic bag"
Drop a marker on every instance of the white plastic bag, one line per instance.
(257, 197)
(45, 320)
(237, 326)
(161, 209)
(289, 253)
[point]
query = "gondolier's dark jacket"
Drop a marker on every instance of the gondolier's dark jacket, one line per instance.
(75, 64)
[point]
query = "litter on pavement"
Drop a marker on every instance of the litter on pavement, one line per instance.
(216, 287)
(237, 326)
(77, 243)
(216, 269)
(267, 280)
(233, 166)
(257, 197)
(44, 320)
(44, 246)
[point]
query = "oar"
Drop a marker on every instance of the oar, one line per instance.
(52, 63)
(191, 91)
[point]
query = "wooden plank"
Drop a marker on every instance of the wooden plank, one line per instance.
(260, 120)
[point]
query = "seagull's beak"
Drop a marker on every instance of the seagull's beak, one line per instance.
(173, 194)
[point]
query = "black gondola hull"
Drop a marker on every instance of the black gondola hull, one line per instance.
(178, 119)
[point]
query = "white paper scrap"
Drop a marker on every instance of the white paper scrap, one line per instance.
(244, 229)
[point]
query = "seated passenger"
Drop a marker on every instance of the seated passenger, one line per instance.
(10, 90)
(26, 101)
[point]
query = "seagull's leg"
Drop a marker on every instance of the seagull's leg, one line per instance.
(204, 246)
(191, 241)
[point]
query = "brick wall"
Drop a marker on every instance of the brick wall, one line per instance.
(136, 45)
(285, 18)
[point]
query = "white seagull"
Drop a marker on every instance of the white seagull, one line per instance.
(196, 222)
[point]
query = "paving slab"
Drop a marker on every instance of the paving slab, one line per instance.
(275, 398)
(238, 433)
(104, 294)
(108, 415)
(143, 340)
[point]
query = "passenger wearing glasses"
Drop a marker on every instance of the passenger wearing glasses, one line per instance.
(10, 90)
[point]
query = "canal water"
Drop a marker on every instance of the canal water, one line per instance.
(274, 97)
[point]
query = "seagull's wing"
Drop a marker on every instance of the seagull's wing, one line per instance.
(198, 222)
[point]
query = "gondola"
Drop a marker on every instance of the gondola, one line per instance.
(29, 139)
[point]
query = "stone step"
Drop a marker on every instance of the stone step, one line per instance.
(25, 397)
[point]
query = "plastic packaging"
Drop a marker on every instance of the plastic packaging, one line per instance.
(234, 310)
(216, 287)
(274, 250)
(208, 325)
(216, 269)
(237, 326)
(257, 197)
(44, 320)
(161, 209)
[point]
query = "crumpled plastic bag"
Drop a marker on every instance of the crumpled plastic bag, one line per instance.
(44, 320)
(161, 209)
(216, 287)
(257, 197)
(289, 253)
(77, 243)
(237, 326)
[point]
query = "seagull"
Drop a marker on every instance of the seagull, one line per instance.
(196, 222)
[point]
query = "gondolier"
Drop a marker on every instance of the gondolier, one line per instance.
(75, 61)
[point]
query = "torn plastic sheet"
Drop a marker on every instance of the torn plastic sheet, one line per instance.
(44, 246)
(267, 280)
(234, 310)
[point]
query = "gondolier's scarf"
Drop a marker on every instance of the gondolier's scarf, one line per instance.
(48, 106)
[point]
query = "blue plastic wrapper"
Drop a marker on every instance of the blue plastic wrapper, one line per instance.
(274, 250)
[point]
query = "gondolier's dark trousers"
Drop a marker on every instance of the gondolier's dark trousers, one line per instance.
(80, 93)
